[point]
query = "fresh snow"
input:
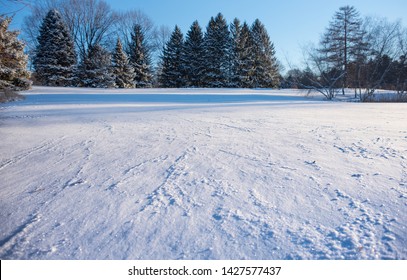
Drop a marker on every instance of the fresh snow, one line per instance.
(201, 174)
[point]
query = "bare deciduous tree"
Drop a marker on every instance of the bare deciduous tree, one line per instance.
(125, 25)
(13, 6)
(382, 36)
(327, 78)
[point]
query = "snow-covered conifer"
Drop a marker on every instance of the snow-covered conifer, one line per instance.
(139, 56)
(245, 58)
(193, 56)
(266, 72)
(13, 61)
(235, 30)
(217, 44)
(172, 72)
(55, 57)
(96, 70)
(122, 70)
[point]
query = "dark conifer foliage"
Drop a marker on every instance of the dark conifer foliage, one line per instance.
(96, 70)
(173, 72)
(245, 62)
(266, 72)
(55, 57)
(193, 56)
(235, 31)
(218, 43)
(122, 70)
(223, 56)
(140, 59)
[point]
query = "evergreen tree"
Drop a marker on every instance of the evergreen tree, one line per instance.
(55, 57)
(245, 61)
(217, 44)
(235, 31)
(266, 72)
(172, 72)
(95, 69)
(343, 41)
(140, 58)
(122, 70)
(193, 56)
(13, 61)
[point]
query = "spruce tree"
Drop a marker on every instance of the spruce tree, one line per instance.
(245, 58)
(235, 31)
(140, 59)
(96, 71)
(173, 73)
(122, 70)
(55, 57)
(193, 56)
(217, 44)
(13, 61)
(266, 72)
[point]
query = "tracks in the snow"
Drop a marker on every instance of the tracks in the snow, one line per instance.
(44, 147)
(172, 191)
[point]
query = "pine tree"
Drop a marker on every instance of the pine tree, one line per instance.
(343, 41)
(235, 31)
(193, 56)
(139, 55)
(172, 73)
(217, 44)
(13, 61)
(245, 61)
(266, 72)
(55, 57)
(236, 49)
(122, 70)
(96, 71)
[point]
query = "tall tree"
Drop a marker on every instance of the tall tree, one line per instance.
(122, 70)
(266, 69)
(173, 73)
(140, 58)
(13, 61)
(343, 40)
(193, 56)
(55, 57)
(96, 71)
(245, 58)
(217, 42)
(235, 32)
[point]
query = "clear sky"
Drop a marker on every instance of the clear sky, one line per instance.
(290, 23)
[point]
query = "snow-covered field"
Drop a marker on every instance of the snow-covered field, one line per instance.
(201, 174)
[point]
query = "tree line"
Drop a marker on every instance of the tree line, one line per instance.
(365, 54)
(235, 56)
(86, 43)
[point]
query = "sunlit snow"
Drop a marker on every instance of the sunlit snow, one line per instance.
(201, 174)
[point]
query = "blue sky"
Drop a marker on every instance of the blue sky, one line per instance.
(290, 23)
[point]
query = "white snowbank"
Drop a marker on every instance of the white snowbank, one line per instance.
(201, 174)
